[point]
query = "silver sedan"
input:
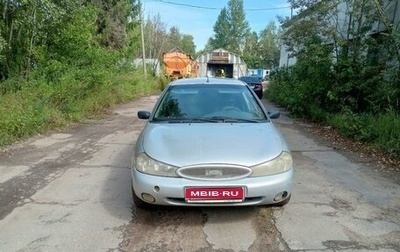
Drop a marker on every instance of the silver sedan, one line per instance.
(210, 142)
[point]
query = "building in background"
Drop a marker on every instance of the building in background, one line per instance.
(221, 63)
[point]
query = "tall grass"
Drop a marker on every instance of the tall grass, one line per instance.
(41, 104)
(382, 131)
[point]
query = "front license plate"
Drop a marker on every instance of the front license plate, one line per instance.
(214, 195)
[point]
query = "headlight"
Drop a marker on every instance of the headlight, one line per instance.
(145, 164)
(278, 165)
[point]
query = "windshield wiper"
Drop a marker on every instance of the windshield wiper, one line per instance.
(213, 119)
(227, 119)
(249, 120)
(187, 120)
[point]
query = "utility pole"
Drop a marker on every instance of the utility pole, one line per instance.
(287, 56)
(142, 35)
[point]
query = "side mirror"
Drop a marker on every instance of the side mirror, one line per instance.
(274, 114)
(143, 114)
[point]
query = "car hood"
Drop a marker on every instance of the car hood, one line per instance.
(244, 144)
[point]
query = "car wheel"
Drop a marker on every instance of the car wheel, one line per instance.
(138, 202)
(284, 202)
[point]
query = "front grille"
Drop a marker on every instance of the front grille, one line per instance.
(214, 172)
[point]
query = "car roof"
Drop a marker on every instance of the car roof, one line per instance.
(207, 80)
(250, 77)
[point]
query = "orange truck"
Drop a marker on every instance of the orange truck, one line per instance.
(178, 65)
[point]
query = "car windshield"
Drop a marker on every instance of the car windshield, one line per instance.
(198, 103)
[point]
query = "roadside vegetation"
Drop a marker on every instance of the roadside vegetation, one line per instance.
(356, 89)
(77, 94)
(65, 61)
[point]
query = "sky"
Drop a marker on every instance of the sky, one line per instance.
(197, 17)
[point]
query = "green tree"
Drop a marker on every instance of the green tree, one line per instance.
(174, 37)
(269, 46)
(37, 33)
(187, 44)
(183, 41)
(239, 27)
(231, 28)
(221, 32)
(20, 24)
(251, 52)
(112, 21)
(156, 39)
(262, 51)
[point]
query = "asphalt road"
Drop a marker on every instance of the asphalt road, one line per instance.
(70, 191)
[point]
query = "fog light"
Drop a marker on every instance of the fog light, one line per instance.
(148, 198)
(281, 196)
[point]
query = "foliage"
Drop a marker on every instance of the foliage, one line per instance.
(112, 21)
(345, 75)
(231, 28)
(182, 41)
(251, 52)
(61, 62)
(187, 45)
(305, 87)
(77, 93)
(239, 27)
(380, 130)
(156, 32)
(269, 46)
(36, 33)
(221, 30)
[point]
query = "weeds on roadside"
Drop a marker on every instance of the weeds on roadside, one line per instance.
(382, 131)
(71, 95)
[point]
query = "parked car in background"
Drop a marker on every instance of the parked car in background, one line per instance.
(255, 82)
(210, 142)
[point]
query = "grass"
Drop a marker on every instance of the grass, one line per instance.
(40, 105)
(382, 131)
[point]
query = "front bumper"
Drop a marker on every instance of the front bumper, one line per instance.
(170, 191)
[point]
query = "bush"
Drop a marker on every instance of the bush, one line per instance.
(356, 126)
(380, 130)
(386, 129)
(71, 95)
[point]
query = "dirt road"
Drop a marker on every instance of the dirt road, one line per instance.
(70, 191)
